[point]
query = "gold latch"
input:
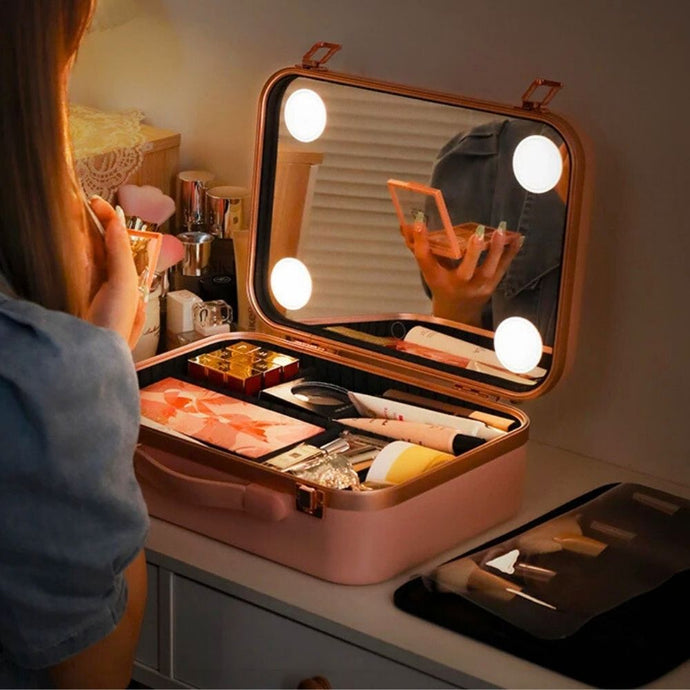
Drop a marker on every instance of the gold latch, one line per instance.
(310, 62)
(310, 500)
(553, 88)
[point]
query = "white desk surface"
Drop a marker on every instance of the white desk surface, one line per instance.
(366, 616)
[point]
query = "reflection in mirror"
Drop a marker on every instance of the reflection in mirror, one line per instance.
(333, 211)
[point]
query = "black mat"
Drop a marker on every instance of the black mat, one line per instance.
(629, 646)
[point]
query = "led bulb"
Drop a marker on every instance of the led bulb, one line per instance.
(305, 115)
(291, 283)
(518, 344)
(537, 164)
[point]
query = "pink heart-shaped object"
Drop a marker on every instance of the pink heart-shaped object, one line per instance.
(146, 202)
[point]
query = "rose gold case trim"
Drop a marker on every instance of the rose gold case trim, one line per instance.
(247, 470)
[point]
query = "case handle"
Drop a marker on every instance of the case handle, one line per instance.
(310, 62)
(253, 499)
(553, 88)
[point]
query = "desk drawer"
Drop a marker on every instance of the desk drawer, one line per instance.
(147, 649)
(222, 641)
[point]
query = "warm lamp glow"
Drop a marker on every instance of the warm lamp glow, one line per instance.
(518, 344)
(305, 115)
(537, 164)
(291, 283)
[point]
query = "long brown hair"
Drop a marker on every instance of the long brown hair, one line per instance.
(39, 229)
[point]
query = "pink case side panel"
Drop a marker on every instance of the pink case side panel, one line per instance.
(346, 546)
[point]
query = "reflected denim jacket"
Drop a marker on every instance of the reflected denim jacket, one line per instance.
(475, 173)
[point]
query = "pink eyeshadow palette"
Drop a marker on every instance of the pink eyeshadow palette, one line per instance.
(218, 419)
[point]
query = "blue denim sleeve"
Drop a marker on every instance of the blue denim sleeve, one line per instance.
(71, 511)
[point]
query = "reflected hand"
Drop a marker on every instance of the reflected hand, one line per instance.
(117, 304)
(461, 289)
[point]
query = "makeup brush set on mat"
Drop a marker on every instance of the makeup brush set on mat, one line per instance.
(596, 590)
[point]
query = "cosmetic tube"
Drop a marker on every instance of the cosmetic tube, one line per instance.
(384, 408)
(433, 436)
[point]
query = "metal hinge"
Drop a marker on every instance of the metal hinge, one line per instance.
(310, 500)
(476, 392)
(310, 62)
(553, 88)
(312, 347)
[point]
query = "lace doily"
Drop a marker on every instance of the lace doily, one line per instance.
(107, 147)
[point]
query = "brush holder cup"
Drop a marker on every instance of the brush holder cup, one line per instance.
(192, 186)
(197, 253)
(225, 209)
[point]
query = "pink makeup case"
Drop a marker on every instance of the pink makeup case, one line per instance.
(344, 535)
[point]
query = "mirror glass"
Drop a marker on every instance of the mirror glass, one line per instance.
(333, 209)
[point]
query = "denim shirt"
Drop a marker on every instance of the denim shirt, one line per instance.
(475, 173)
(72, 516)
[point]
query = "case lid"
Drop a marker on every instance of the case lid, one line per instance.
(407, 227)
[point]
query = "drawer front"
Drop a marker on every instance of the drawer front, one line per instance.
(222, 641)
(147, 650)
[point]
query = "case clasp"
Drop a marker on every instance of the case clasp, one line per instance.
(310, 62)
(553, 88)
(310, 500)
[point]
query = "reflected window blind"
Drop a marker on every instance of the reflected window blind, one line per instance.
(351, 240)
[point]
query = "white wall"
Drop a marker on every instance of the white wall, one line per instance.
(198, 67)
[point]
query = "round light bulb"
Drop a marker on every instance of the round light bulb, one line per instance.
(291, 283)
(518, 344)
(305, 115)
(537, 164)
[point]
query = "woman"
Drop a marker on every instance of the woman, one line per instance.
(72, 571)
(519, 273)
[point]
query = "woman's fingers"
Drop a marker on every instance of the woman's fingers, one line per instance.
(493, 255)
(120, 261)
(513, 246)
(103, 210)
(422, 252)
(501, 252)
(475, 246)
(117, 304)
(408, 235)
(120, 264)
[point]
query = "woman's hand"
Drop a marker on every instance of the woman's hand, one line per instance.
(461, 289)
(117, 304)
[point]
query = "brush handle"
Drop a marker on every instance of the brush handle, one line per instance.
(136, 223)
(577, 543)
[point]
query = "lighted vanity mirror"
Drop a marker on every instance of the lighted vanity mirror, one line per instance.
(413, 214)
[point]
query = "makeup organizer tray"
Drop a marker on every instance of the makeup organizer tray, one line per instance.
(355, 435)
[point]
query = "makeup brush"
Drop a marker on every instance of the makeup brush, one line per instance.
(464, 575)
(172, 252)
(562, 534)
(146, 207)
(508, 562)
